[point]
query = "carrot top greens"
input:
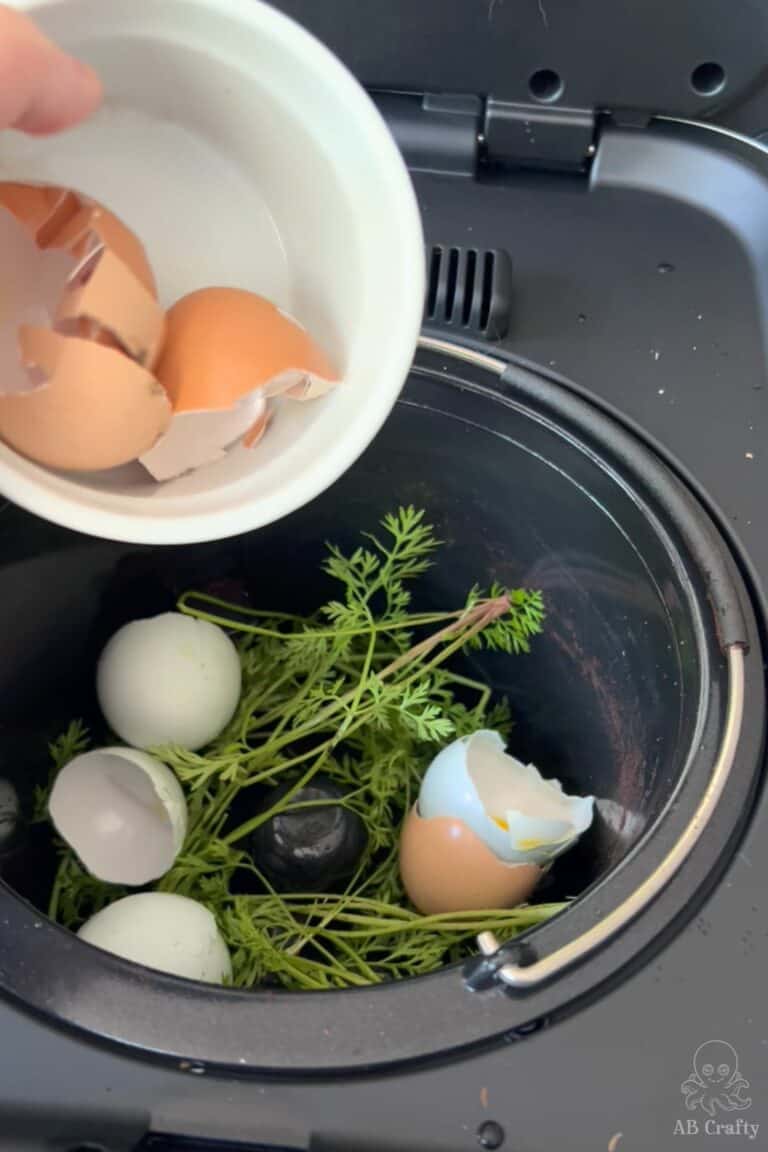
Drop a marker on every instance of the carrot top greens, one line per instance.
(367, 690)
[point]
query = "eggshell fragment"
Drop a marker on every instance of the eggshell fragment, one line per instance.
(59, 218)
(225, 351)
(31, 285)
(107, 293)
(519, 815)
(169, 679)
(95, 408)
(122, 812)
(73, 279)
(445, 867)
(222, 343)
(163, 931)
(29, 203)
(196, 438)
(257, 429)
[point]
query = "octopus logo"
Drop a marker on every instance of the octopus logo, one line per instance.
(715, 1081)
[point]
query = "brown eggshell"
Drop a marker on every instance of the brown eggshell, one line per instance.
(31, 204)
(222, 343)
(94, 409)
(78, 394)
(107, 292)
(122, 242)
(61, 218)
(445, 867)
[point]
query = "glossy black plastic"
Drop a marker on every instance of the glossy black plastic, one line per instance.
(624, 697)
(312, 848)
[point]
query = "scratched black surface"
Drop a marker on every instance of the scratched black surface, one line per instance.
(608, 53)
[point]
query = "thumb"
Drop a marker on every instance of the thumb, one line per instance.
(42, 89)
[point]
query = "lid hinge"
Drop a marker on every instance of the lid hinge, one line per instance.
(435, 132)
(460, 134)
(530, 136)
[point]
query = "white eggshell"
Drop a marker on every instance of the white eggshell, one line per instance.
(521, 817)
(122, 812)
(163, 931)
(169, 679)
(193, 439)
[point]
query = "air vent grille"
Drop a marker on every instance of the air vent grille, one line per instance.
(469, 289)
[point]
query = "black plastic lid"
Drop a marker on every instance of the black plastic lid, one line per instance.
(692, 58)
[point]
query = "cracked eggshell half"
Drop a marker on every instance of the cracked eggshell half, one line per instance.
(91, 408)
(163, 931)
(445, 867)
(226, 352)
(122, 812)
(80, 331)
(521, 817)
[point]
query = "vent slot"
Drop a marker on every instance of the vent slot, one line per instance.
(469, 285)
(434, 274)
(486, 299)
(453, 275)
(469, 290)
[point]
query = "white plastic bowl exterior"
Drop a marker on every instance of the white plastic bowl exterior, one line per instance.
(241, 152)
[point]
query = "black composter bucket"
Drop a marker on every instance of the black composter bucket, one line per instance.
(646, 690)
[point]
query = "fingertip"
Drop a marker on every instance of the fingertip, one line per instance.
(42, 88)
(91, 87)
(70, 93)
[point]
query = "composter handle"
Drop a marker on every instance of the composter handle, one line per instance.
(524, 977)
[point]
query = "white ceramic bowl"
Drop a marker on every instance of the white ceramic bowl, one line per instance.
(241, 152)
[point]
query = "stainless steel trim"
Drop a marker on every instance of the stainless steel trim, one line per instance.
(468, 355)
(525, 977)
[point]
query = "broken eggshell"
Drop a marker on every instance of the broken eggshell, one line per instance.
(163, 931)
(93, 409)
(520, 816)
(196, 438)
(122, 812)
(445, 867)
(80, 331)
(42, 209)
(226, 352)
(484, 829)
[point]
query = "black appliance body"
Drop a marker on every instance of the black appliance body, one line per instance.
(595, 200)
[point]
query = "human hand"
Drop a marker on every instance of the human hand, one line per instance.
(42, 89)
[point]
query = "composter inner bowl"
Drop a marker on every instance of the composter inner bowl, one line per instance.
(607, 701)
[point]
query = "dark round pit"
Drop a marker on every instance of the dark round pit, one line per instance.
(645, 690)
